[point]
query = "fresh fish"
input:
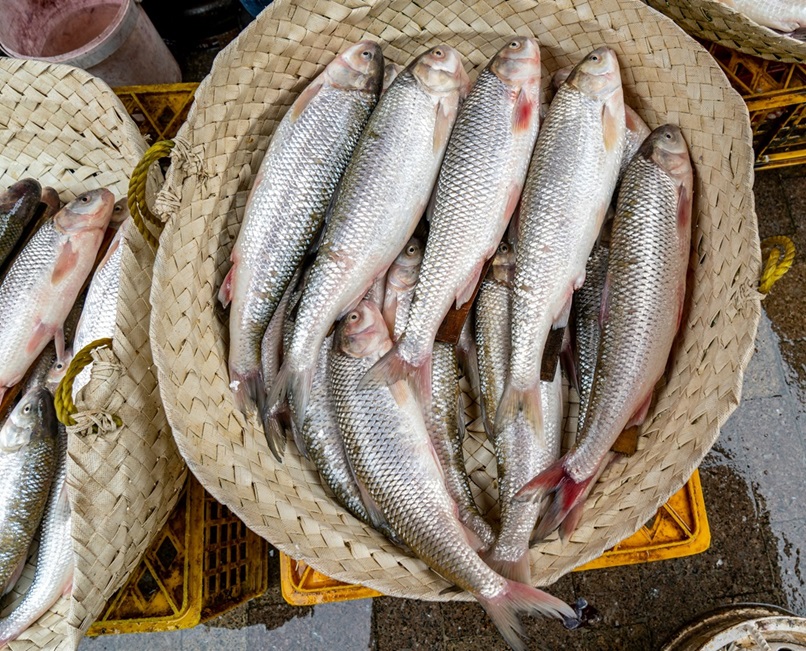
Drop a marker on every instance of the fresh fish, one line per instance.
(287, 203)
(392, 454)
(478, 188)
(28, 460)
(636, 129)
(43, 282)
(375, 210)
(641, 313)
(99, 315)
(390, 73)
(400, 283)
(468, 358)
(54, 564)
(120, 213)
(568, 189)
(786, 16)
(493, 312)
(18, 206)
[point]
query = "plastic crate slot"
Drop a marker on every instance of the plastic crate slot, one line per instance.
(167, 553)
(147, 585)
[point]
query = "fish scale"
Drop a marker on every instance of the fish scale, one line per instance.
(18, 205)
(784, 15)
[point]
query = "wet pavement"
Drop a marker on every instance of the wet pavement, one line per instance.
(752, 486)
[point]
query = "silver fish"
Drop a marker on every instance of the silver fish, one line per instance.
(28, 460)
(99, 316)
(376, 208)
(400, 283)
(786, 16)
(18, 206)
(286, 206)
(43, 282)
(641, 313)
(391, 452)
(54, 564)
(568, 189)
(478, 188)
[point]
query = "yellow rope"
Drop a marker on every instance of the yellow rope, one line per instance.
(63, 398)
(779, 252)
(138, 207)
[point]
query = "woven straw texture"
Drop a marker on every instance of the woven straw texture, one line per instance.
(714, 21)
(668, 77)
(66, 128)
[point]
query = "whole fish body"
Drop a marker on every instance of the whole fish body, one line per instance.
(375, 210)
(18, 206)
(99, 316)
(783, 15)
(478, 188)
(54, 565)
(391, 452)
(28, 461)
(520, 454)
(42, 284)
(568, 189)
(642, 310)
(286, 207)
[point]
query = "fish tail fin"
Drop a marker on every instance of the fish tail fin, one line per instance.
(248, 390)
(518, 570)
(392, 368)
(295, 387)
(225, 292)
(516, 401)
(566, 493)
(275, 433)
(518, 598)
(569, 524)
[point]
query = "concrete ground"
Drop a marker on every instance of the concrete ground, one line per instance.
(752, 485)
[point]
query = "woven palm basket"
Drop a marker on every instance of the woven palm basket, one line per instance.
(714, 21)
(668, 77)
(67, 129)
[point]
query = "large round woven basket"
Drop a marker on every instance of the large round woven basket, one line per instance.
(714, 21)
(668, 77)
(67, 129)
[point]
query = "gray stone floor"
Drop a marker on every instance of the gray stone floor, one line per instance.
(751, 481)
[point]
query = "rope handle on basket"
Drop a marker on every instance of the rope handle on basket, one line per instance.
(63, 398)
(138, 207)
(778, 261)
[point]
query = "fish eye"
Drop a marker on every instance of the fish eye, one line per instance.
(353, 316)
(366, 54)
(438, 53)
(26, 409)
(84, 198)
(411, 250)
(594, 57)
(503, 248)
(667, 135)
(59, 366)
(514, 45)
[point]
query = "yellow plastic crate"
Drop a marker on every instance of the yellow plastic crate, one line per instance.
(775, 94)
(158, 111)
(680, 528)
(203, 563)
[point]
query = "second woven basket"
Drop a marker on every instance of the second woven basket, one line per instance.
(668, 78)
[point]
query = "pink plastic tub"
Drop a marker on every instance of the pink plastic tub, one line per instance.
(112, 39)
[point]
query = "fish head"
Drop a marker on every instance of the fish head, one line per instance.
(88, 211)
(405, 270)
(359, 67)
(666, 147)
(597, 75)
(559, 77)
(503, 265)
(26, 191)
(390, 73)
(33, 417)
(363, 331)
(120, 212)
(518, 62)
(440, 72)
(57, 372)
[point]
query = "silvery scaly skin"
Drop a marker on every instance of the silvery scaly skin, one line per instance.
(400, 283)
(519, 453)
(43, 282)
(18, 205)
(286, 207)
(101, 305)
(478, 188)
(28, 460)
(391, 452)
(641, 312)
(783, 15)
(568, 189)
(375, 210)
(54, 562)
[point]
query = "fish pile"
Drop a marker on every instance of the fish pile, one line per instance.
(785, 16)
(47, 254)
(383, 206)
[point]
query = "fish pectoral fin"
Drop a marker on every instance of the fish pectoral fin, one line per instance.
(389, 312)
(40, 337)
(525, 111)
(225, 293)
(58, 341)
(613, 122)
(640, 414)
(684, 201)
(305, 98)
(445, 115)
(65, 264)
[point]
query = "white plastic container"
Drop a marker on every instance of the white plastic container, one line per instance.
(112, 39)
